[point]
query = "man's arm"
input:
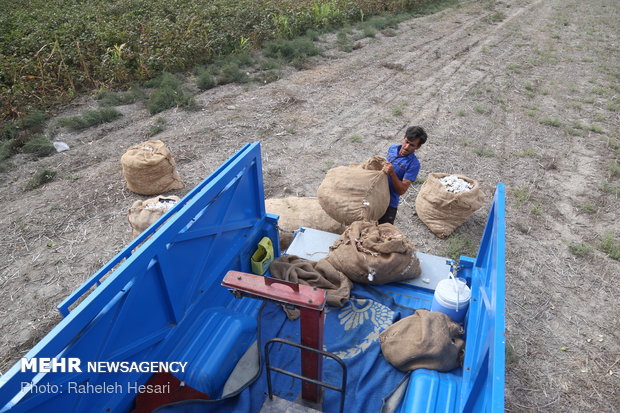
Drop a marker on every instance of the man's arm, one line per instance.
(399, 186)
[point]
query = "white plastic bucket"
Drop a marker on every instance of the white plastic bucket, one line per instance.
(452, 298)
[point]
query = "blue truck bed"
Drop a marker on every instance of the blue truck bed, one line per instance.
(160, 301)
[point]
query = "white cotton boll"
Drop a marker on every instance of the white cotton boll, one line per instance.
(160, 205)
(455, 184)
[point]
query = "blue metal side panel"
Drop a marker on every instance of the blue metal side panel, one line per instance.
(138, 311)
(479, 385)
(482, 388)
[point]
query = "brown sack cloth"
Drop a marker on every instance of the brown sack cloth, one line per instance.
(297, 212)
(319, 274)
(356, 192)
(443, 211)
(143, 213)
(426, 339)
(372, 253)
(149, 169)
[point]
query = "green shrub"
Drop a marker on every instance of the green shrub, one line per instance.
(110, 98)
(40, 178)
(7, 149)
(34, 119)
(39, 146)
(232, 73)
(289, 50)
(169, 93)
(206, 80)
(8, 131)
(90, 118)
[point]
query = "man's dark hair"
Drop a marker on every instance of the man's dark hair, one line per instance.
(416, 132)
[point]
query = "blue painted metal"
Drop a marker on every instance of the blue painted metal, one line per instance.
(145, 301)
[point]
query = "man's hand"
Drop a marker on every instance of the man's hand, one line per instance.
(388, 169)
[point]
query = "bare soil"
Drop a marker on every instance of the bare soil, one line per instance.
(523, 92)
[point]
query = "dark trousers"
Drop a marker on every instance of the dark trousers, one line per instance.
(389, 216)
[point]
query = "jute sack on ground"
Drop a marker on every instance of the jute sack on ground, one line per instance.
(356, 192)
(149, 169)
(298, 212)
(426, 339)
(143, 213)
(443, 211)
(372, 253)
(319, 274)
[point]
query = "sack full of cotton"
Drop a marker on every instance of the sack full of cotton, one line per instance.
(358, 192)
(446, 201)
(143, 213)
(149, 169)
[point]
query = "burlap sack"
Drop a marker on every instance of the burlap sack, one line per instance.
(298, 212)
(143, 213)
(372, 253)
(428, 340)
(319, 274)
(356, 192)
(443, 211)
(149, 169)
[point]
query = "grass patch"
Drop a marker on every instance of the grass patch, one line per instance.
(356, 138)
(485, 153)
(398, 110)
(90, 118)
(495, 17)
(555, 122)
(521, 195)
(588, 208)
(480, 109)
(461, 112)
(459, 244)
(528, 153)
(595, 129)
(157, 127)
(608, 188)
(610, 246)
(40, 146)
(40, 178)
(579, 249)
(537, 209)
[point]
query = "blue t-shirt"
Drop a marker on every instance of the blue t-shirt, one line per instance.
(405, 167)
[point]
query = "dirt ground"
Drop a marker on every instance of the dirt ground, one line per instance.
(523, 92)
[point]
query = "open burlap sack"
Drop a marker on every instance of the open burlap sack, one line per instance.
(443, 211)
(149, 169)
(426, 339)
(298, 212)
(356, 192)
(143, 213)
(319, 274)
(372, 253)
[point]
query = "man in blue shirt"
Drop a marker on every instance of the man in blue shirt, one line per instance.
(402, 168)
